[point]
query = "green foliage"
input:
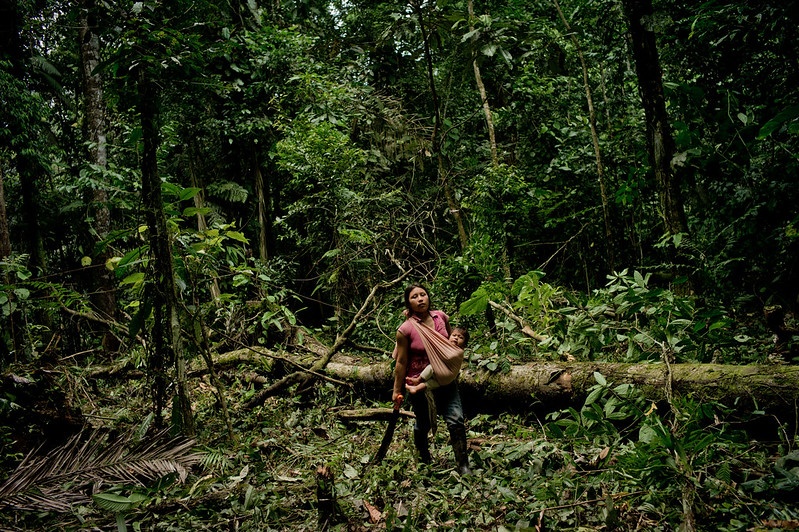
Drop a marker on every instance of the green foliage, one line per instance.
(331, 103)
(664, 456)
(615, 459)
(628, 320)
(606, 407)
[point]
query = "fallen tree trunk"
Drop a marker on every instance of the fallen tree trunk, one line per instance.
(553, 384)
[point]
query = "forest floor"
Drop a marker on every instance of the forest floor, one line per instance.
(598, 467)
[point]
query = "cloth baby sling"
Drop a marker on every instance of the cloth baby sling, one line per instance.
(445, 358)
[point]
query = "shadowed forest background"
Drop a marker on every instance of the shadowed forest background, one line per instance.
(207, 208)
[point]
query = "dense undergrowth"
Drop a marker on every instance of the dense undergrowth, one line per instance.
(616, 462)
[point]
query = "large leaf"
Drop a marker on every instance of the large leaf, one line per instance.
(57, 479)
(786, 115)
(477, 303)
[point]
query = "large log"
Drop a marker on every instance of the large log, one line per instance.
(552, 384)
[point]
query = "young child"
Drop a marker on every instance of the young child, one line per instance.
(427, 380)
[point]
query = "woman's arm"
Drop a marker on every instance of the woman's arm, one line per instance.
(401, 368)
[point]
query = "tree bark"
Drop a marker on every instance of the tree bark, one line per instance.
(262, 191)
(551, 385)
(600, 170)
(658, 134)
(5, 238)
(167, 341)
(104, 295)
(438, 136)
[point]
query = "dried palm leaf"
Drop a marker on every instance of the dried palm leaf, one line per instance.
(68, 475)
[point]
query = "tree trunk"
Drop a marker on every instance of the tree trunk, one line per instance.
(12, 342)
(264, 211)
(167, 341)
(478, 78)
(658, 134)
(5, 238)
(437, 137)
(199, 203)
(492, 139)
(551, 385)
(28, 168)
(600, 171)
(104, 296)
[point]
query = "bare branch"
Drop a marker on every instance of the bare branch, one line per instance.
(342, 338)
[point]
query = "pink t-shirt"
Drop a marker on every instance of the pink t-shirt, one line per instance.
(417, 356)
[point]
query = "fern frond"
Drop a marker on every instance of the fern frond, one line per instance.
(63, 477)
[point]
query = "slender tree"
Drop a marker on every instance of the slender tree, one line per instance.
(658, 133)
(5, 238)
(438, 135)
(492, 136)
(478, 78)
(263, 194)
(104, 296)
(166, 333)
(600, 167)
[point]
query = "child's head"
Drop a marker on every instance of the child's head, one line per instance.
(460, 337)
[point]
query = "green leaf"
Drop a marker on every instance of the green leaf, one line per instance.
(194, 211)
(134, 278)
(476, 304)
(775, 123)
(117, 503)
(138, 320)
(131, 257)
(716, 325)
(350, 472)
(594, 395)
(469, 35)
(235, 235)
(170, 189)
(240, 280)
(22, 293)
(600, 379)
(646, 434)
(188, 193)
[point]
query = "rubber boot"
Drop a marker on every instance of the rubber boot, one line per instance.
(422, 445)
(457, 435)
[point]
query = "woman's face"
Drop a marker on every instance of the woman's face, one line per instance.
(418, 300)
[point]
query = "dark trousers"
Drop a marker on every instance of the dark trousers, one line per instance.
(448, 404)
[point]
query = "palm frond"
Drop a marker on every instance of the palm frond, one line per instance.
(65, 476)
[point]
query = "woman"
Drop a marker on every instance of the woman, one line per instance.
(411, 360)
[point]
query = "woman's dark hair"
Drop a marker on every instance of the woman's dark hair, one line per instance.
(407, 296)
(464, 331)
